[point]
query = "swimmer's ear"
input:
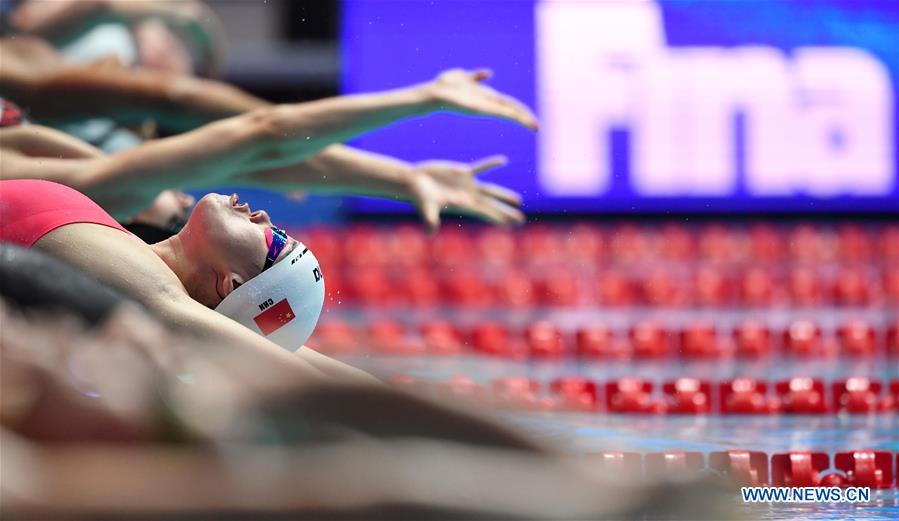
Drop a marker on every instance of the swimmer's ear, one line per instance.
(228, 282)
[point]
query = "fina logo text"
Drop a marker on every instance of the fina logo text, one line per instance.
(815, 121)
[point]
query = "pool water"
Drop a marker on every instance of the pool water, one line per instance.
(579, 432)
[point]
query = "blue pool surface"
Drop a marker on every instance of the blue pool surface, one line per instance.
(591, 432)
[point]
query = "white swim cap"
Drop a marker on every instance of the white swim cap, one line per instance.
(282, 303)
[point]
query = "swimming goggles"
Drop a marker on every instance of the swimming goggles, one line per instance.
(276, 240)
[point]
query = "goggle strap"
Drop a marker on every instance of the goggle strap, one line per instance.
(278, 241)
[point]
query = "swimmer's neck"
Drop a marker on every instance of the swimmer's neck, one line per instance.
(177, 256)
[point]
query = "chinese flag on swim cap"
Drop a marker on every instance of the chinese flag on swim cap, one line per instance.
(273, 318)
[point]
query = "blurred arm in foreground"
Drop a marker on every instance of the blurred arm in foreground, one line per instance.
(147, 443)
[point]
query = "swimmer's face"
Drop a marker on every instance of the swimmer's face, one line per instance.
(231, 240)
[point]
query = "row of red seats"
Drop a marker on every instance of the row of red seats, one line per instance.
(563, 286)
(646, 339)
(626, 243)
(632, 395)
(857, 468)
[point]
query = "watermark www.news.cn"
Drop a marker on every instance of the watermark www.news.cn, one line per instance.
(805, 494)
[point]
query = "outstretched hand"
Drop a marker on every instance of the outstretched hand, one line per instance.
(460, 90)
(447, 185)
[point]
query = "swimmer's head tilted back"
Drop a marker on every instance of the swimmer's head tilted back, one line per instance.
(252, 272)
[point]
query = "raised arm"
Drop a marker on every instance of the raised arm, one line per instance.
(431, 186)
(57, 91)
(62, 18)
(278, 136)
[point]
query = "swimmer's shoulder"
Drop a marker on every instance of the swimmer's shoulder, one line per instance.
(116, 258)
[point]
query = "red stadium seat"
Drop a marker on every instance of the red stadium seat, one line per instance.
(752, 339)
(687, 396)
(407, 246)
(856, 395)
(857, 338)
(854, 244)
(803, 338)
(757, 288)
(370, 286)
(389, 338)
(866, 468)
(893, 339)
(889, 241)
(649, 340)
(575, 393)
(441, 338)
(453, 247)
(852, 287)
(494, 339)
(324, 243)
(335, 337)
(583, 245)
(809, 244)
(629, 245)
(560, 287)
(631, 395)
(745, 468)
(540, 244)
(801, 395)
(746, 396)
(617, 463)
(712, 288)
(420, 289)
(615, 289)
(798, 469)
(409, 383)
(677, 243)
(466, 288)
(515, 384)
(519, 392)
(673, 463)
(364, 245)
(464, 388)
(515, 289)
(544, 340)
(716, 243)
(891, 284)
(337, 293)
(891, 401)
(805, 288)
(662, 289)
(497, 246)
(765, 244)
(598, 341)
(700, 341)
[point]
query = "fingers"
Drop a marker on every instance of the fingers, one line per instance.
(430, 214)
(489, 162)
(495, 212)
(480, 75)
(501, 194)
(488, 101)
(507, 107)
(519, 111)
(511, 216)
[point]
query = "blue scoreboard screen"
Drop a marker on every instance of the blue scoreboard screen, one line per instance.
(747, 106)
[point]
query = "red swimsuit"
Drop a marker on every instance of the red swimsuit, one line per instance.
(32, 208)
